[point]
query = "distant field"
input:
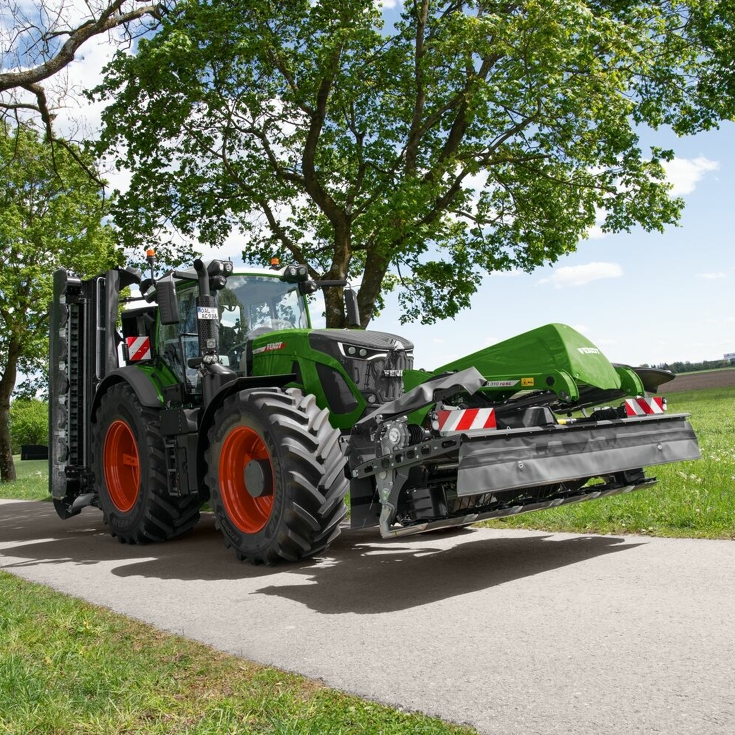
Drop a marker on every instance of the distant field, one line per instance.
(701, 380)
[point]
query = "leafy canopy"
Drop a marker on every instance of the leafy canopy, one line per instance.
(28, 423)
(461, 138)
(51, 215)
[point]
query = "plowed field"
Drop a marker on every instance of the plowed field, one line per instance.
(697, 381)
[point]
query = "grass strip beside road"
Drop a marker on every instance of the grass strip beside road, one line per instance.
(692, 499)
(31, 480)
(68, 667)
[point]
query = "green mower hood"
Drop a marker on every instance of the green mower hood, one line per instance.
(551, 347)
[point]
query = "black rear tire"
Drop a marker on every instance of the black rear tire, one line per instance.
(129, 463)
(275, 472)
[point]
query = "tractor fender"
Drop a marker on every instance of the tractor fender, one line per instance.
(233, 386)
(145, 389)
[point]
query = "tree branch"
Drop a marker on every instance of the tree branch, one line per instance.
(111, 17)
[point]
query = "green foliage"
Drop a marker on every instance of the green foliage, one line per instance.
(28, 423)
(464, 138)
(51, 214)
(694, 367)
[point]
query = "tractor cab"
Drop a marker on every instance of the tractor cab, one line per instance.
(248, 306)
(251, 305)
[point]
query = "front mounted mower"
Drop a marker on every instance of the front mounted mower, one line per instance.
(213, 387)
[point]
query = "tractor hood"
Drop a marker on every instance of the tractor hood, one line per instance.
(372, 342)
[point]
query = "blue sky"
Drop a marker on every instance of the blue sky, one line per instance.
(640, 297)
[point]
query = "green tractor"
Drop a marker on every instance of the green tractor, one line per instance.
(212, 387)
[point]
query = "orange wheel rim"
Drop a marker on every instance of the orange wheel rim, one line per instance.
(249, 514)
(122, 466)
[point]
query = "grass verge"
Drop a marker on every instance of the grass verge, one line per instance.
(68, 667)
(694, 499)
(31, 482)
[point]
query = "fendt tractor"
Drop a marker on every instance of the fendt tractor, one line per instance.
(212, 387)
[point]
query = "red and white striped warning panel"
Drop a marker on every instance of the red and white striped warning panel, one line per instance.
(465, 420)
(644, 406)
(139, 348)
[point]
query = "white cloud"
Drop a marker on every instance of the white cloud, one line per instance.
(596, 233)
(684, 173)
(581, 275)
(711, 276)
(507, 274)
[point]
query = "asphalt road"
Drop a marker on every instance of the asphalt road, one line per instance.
(509, 631)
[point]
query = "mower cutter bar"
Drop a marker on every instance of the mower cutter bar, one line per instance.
(517, 458)
(591, 492)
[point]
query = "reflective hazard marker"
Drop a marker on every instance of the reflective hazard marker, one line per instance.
(644, 406)
(139, 348)
(466, 420)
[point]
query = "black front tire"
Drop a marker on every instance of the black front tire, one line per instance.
(298, 466)
(129, 463)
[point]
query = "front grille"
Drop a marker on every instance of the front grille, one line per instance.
(382, 376)
(374, 361)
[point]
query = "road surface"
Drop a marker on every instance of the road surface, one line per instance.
(513, 632)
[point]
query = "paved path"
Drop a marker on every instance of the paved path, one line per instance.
(510, 631)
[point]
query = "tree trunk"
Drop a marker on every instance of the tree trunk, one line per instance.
(334, 306)
(7, 385)
(376, 266)
(7, 466)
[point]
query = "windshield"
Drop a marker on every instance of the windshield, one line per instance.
(252, 305)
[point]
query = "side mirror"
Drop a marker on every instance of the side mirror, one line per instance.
(351, 307)
(168, 306)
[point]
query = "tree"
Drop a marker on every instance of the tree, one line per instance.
(462, 138)
(28, 423)
(40, 38)
(51, 215)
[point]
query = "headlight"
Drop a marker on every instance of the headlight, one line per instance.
(360, 352)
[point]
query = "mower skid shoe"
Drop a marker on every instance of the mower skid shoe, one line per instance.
(518, 458)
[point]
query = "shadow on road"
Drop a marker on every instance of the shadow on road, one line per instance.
(361, 574)
(372, 578)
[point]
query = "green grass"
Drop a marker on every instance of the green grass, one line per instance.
(31, 482)
(68, 668)
(694, 499)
